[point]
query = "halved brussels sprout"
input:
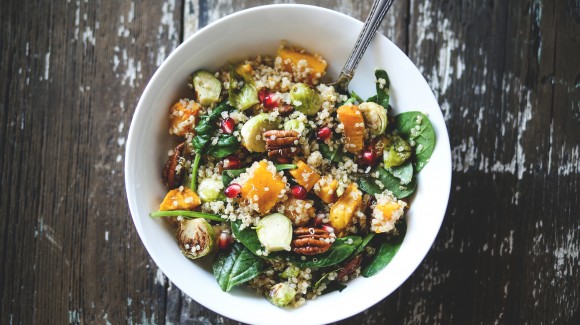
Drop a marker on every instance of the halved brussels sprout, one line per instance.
(246, 96)
(396, 152)
(281, 294)
(275, 232)
(207, 87)
(209, 189)
(294, 125)
(305, 99)
(195, 237)
(375, 117)
(251, 132)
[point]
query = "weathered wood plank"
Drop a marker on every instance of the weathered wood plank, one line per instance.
(71, 74)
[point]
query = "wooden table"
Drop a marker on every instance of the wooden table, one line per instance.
(507, 77)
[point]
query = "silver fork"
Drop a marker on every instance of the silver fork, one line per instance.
(376, 15)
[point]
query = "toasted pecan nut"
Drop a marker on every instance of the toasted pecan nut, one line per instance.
(282, 144)
(170, 175)
(311, 241)
(349, 268)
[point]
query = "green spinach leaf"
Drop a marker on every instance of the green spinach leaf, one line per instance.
(404, 172)
(364, 243)
(333, 286)
(247, 236)
(385, 252)
(334, 156)
(338, 252)
(417, 127)
(382, 88)
(225, 146)
(234, 267)
(368, 184)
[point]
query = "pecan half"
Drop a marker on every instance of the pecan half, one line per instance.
(170, 176)
(282, 144)
(349, 268)
(311, 241)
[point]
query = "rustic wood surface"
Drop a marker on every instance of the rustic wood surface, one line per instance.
(507, 77)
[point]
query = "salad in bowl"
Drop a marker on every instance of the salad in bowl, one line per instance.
(285, 184)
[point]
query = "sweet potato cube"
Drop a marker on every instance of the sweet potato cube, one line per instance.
(304, 175)
(296, 61)
(326, 189)
(354, 127)
(180, 200)
(263, 187)
(342, 212)
(182, 117)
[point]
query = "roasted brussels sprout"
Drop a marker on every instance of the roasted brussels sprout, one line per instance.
(252, 132)
(246, 96)
(281, 294)
(294, 125)
(209, 189)
(207, 87)
(305, 99)
(275, 232)
(290, 272)
(375, 117)
(396, 152)
(195, 237)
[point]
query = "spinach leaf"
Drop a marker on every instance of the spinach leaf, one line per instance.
(382, 89)
(225, 146)
(354, 98)
(404, 172)
(338, 252)
(417, 127)
(368, 184)
(385, 252)
(247, 236)
(334, 156)
(234, 267)
(194, 169)
(364, 243)
(206, 128)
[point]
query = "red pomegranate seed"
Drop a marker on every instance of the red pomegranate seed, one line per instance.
(262, 94)
(268, 99)
(232, 162)
(328, 228)
(224, 240)
(369, 157)
(299, 192)
(324, 133)
(233, 190)
(228, 125)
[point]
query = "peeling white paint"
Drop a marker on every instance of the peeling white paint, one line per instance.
(88, 37)
(159, 278)
(121, 141)
(106, 235)
(46, 65)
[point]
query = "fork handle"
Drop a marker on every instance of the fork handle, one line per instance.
(376, 15)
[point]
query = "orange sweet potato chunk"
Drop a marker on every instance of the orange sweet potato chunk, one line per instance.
(182, 117)
(292, 57)
(304, 175)
(180, 200)
(263, 188)
(354, 127)
(327, 191)
(342, 212)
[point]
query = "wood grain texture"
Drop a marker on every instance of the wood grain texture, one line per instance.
(507, 77)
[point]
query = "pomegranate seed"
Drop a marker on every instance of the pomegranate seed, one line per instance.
(324, 133)
(268, 99)
(369, 157)
(262, 94)
(232, 162)
(224, 240)
(328, 228)
(233, 190)
(228, 125)
(299, 192)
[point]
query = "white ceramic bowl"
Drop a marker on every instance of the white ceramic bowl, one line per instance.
(259, 31)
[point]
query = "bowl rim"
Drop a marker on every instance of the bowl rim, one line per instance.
(147, 92)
